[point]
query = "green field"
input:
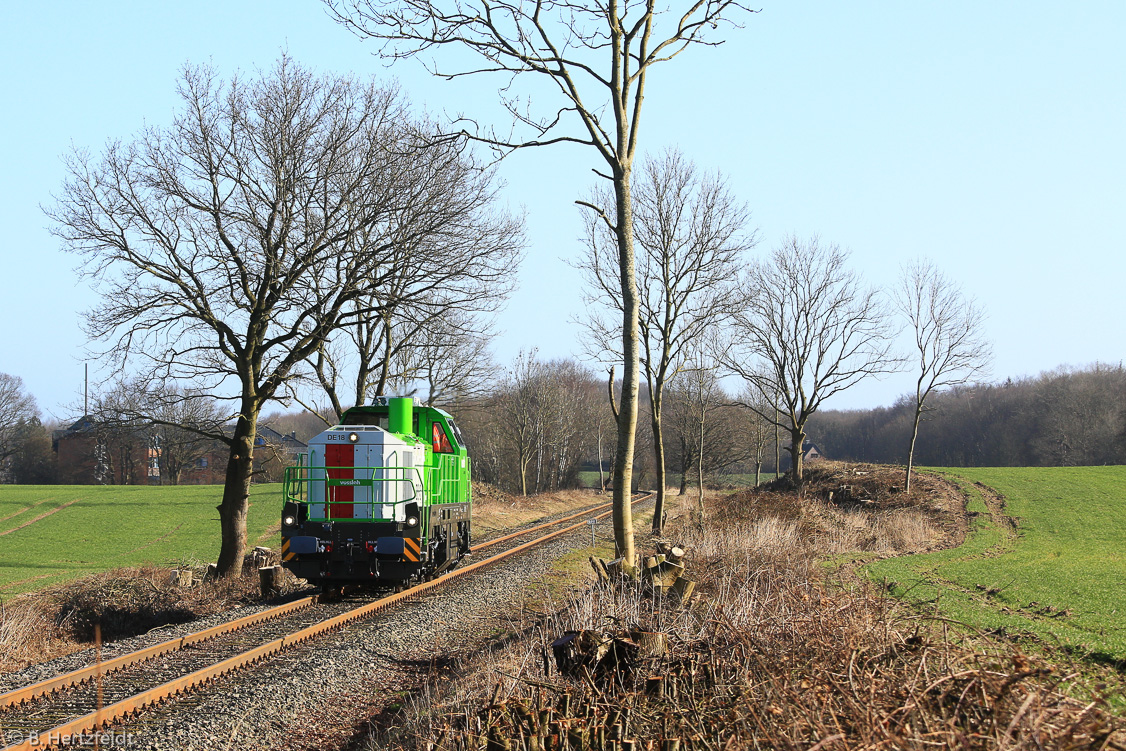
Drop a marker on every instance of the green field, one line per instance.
(1050, 560)
(52, 533)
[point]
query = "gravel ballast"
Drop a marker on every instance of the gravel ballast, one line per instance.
(314, 695)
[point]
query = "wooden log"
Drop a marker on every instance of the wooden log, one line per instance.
(665, 574)
(651, 643)
(183, 578)
(599, 567)
(269, 580)
(566, 651)
(683, 588)
(675, 554)
(619, 566)
(655, 685)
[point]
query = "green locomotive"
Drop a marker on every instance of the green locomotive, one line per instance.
(383, 497)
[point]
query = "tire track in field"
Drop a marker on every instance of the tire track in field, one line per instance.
(10, 585)
(1007, 529)
(1005, 525)
(152, 542)
(44, 515)
(272, 530)
(25, 509)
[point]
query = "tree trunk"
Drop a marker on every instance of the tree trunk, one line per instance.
(797, 440)
(777, 452)
(236, 492)
(758, 473)
(683, 466)
(911, 446)
(381, 386)
(659, 457)
(700, 470)
(601, 474)
(627, 413)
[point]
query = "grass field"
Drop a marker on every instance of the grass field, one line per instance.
(1048, 557)
(52, 533)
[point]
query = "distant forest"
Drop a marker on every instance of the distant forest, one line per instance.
(1065, 417)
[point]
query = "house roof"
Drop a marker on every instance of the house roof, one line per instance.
(83, 424)
(266, 434)
(806, 446)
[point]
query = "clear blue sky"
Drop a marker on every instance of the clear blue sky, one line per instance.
(990, 137)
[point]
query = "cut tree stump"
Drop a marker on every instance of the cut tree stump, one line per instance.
(269, 579)
(183, 578)
(683, 588)
(664, 574)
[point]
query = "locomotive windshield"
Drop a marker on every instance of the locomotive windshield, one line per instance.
(457, 433)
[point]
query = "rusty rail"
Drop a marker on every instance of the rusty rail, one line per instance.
(77, 677)
(93, 721)
(495, 540)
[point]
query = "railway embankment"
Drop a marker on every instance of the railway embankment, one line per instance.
(783, 644)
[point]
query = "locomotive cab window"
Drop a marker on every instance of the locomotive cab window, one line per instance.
(441, 444)
(457, 434)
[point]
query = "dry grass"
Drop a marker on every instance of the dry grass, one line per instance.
(59, 620)
(495, 511)
(769, 655)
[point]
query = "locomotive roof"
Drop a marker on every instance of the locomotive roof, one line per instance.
(379, 409)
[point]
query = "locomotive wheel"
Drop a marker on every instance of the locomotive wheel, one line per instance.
(331, 592)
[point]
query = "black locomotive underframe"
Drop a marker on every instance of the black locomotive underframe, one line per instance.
(350, 562)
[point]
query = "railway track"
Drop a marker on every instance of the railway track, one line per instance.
(71, 708)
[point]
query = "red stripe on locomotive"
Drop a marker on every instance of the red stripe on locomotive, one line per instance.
(343, 457)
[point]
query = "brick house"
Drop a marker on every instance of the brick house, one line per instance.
(88, 453)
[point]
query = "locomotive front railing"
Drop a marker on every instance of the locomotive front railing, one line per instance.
(302, 483)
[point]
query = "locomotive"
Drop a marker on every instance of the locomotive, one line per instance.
(382, 498)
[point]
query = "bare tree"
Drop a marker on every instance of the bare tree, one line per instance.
(32, 461)
(181, 423)
(452, 360)
(522, 406)
(806, 330)
(692, 232)
(707, 430)
(702, 387)
(760, 431)
(16, 409)
(595, 59)
(123, 445)
(949, 340)
(229, 245)
(451, 254)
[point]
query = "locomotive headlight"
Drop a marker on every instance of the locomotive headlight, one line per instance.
(289, 521)
(353, 437)
(412, 521)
